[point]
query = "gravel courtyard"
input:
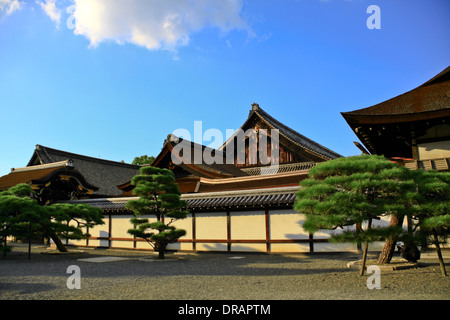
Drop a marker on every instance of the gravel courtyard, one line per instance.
(210, 276)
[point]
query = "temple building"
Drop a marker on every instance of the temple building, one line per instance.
(57, 175)
(241, 195)
(412, 128)
(51, 182)
(293, 147)
(235, 205)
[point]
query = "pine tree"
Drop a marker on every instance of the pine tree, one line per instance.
(14, 202)
(159, 196)
(354, 191)
(432, 208)
(142, 160)
(21, 216)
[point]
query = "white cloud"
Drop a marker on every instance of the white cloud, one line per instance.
(51, 10)
(9, 6)
(156, 24)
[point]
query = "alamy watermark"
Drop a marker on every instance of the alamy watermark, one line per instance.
(374, 281)
(250, 147)
(374, 20)
(74, 280)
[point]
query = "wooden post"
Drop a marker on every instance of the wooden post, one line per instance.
(366, 246)
(194, 245)
(109, 231)
(29, 240)
(228, 230)
(87, 238)
(311, 243)
(267, 223)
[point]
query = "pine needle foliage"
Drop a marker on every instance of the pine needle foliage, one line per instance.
(356, 190)
(353, 190)
(432, 209)
(159, 196)
(433, 204)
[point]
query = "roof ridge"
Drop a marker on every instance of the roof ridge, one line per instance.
(72, 155)
(203, 195)
(314, 143)
(256, 109)
(436, 78)
(223, 168)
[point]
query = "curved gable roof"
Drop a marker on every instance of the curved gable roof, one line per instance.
(293, 136)
(427, 101)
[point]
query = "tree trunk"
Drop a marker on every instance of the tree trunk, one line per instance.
(61, 247)
(438, 249)
(389, 245)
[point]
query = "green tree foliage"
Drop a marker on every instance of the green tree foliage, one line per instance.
(354, 191)
(159, 196)
(143, 160)
(22, 216)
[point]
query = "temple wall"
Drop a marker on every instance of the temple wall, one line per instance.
(434, 150)
(275, 231)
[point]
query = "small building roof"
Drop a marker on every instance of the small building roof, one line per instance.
(104, 174)
(40, 175)
(191, 166)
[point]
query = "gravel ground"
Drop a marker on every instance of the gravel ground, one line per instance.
(210, 276)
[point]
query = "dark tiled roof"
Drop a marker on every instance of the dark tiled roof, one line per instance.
(104, 174)
(296, 138)
(192, 165)
(243, 202)
(214, 201)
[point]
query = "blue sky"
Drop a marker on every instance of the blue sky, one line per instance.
(112, 78)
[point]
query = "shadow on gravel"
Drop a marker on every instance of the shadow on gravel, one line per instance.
(25, 288)
(16, 263)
